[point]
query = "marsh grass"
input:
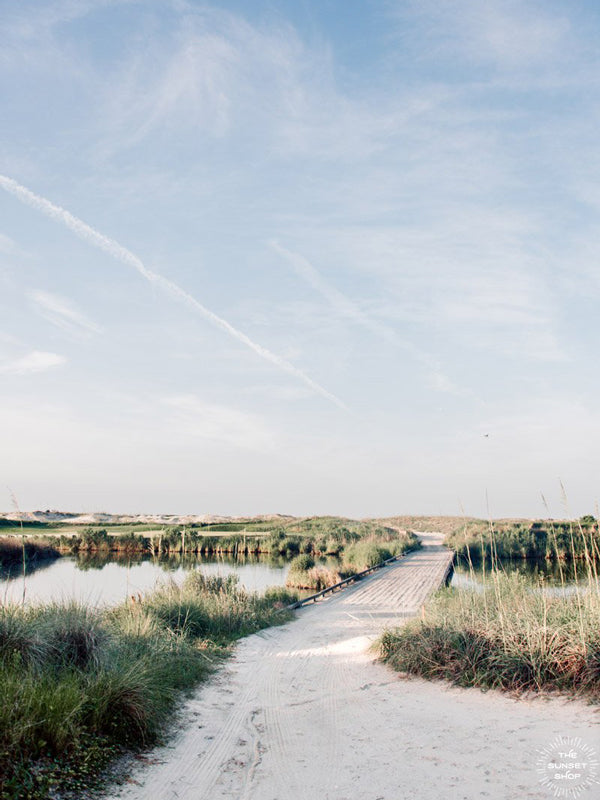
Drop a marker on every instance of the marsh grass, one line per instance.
(80, 684)
(357, 556)
(16, 550)
(555, 540)
(305, 574)
(507, 632)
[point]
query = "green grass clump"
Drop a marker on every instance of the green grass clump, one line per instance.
(302, 563)
(358, 556)
(304, 574)
(78, 685)
(553, 540)
(506, 634)
(19, 642)
(211, 607)
(367, 554)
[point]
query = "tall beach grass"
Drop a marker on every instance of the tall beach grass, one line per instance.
(78, 684)
(505, 631)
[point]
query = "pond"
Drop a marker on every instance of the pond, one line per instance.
(552, 576)
(107, 580)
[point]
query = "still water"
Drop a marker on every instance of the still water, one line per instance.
(106, 581)
(551, 576)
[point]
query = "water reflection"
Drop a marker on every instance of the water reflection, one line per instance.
(101, 578)
(554, 577)
(9, 572)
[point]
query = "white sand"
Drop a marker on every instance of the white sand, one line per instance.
(303, 711)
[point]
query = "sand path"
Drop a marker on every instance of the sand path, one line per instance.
(303, 711)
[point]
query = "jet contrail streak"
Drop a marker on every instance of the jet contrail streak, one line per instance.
(344, 305)
(348, 308)
(120, 253)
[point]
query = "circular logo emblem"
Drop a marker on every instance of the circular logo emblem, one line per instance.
(568, 767)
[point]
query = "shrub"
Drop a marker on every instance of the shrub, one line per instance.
(367, 554)
(302, 563)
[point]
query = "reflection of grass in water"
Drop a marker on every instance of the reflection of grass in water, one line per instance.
(553, 573)
(188, 561)
(14, 572)
(20, 556)
(98, 560)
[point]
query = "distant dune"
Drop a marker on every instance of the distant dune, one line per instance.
(96, 518)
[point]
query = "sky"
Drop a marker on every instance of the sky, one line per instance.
(300, 256)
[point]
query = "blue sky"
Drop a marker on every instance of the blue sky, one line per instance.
(349, 265)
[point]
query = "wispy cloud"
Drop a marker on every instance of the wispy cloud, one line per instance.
(60, 312)
(220, 423)
(7, 245)
(214, 76)
(36, 361)
(201, 78)
(510, 34)
(122, 254)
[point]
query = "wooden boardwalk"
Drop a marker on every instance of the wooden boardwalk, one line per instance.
(400, 589)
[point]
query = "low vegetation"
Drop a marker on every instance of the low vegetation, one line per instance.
(79, 685)
(506, 633)
(361, 554)
(305, 574)
(287, 537)
(538, 539)
(13, 550)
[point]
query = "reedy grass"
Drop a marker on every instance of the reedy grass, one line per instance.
(505, 636)
(316, 535)
(79, 684)
(14, 549)
(554, 540)
(506, 632)
(358, 556)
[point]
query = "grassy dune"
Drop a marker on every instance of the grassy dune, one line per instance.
(79, 685)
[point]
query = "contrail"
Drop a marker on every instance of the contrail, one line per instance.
(344, 305)
(120, 253)
(348, 308)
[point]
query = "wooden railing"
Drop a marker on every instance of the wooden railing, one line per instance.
(356, 577)
(445, 580)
